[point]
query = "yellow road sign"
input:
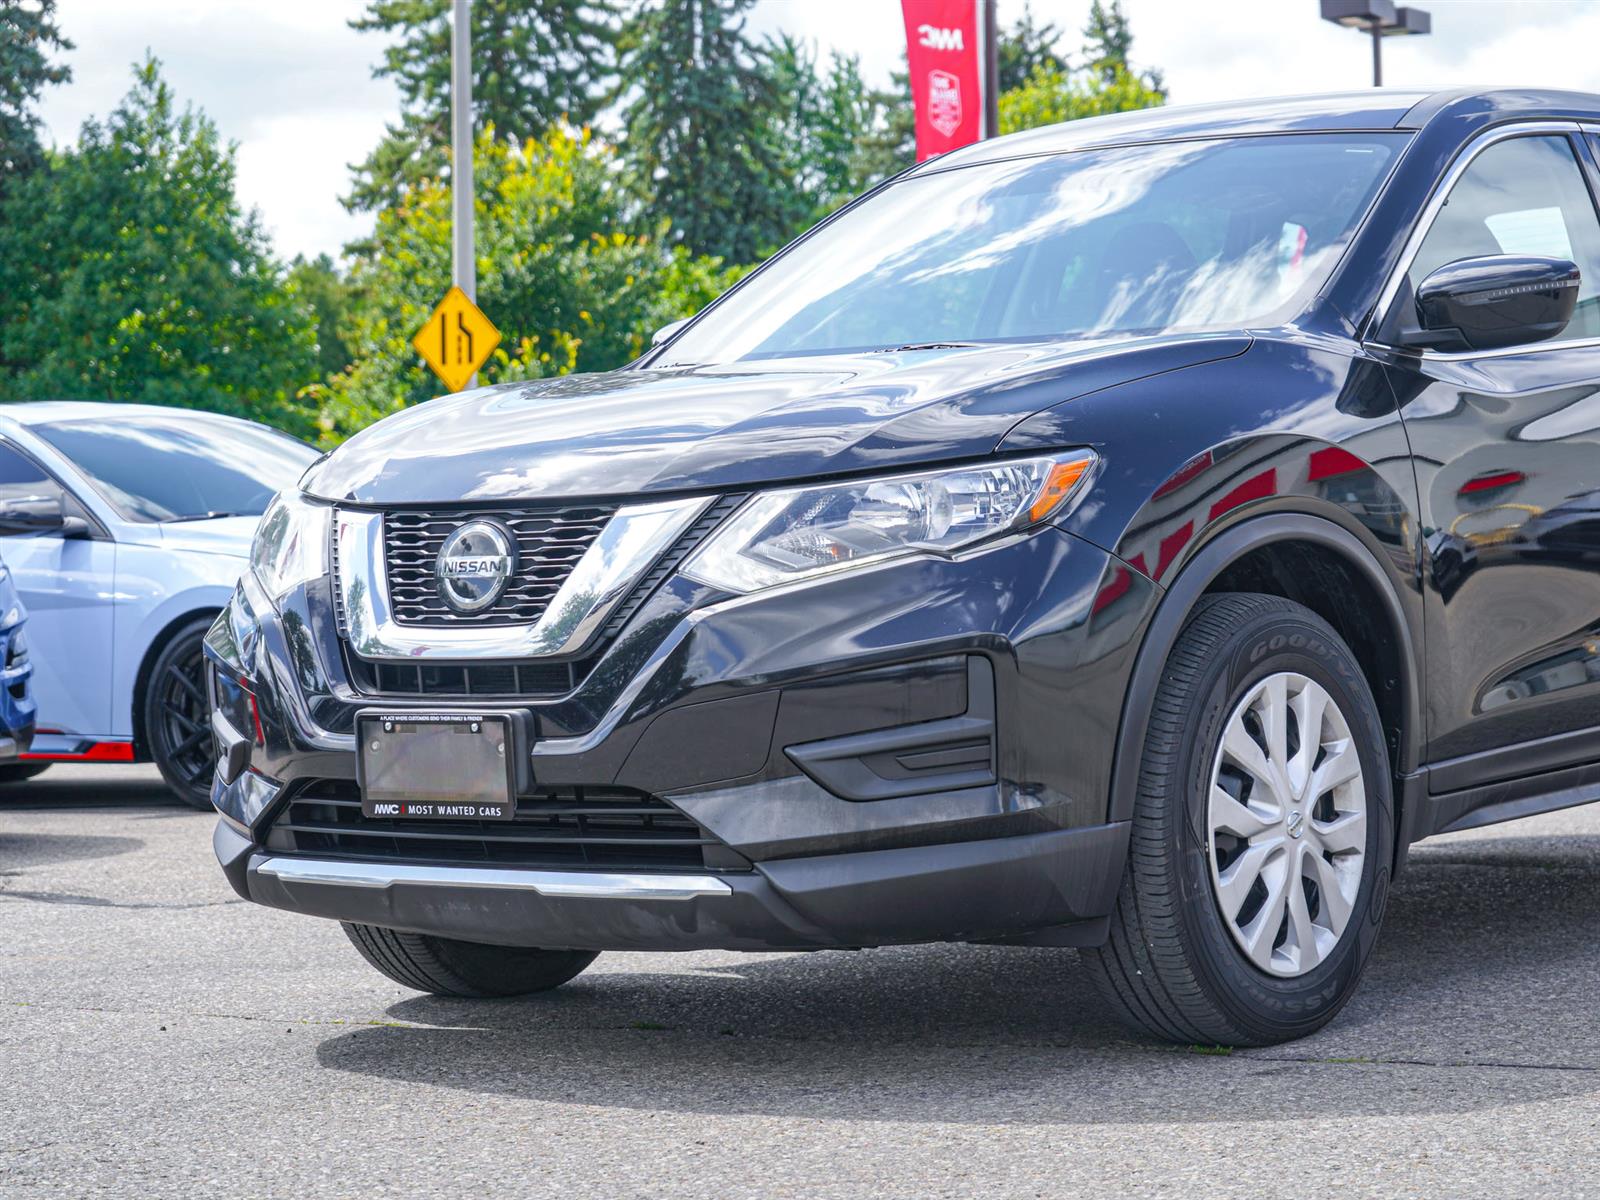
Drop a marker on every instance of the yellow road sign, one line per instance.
(456, 340)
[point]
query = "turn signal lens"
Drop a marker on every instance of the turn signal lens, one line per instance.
(1062, 481)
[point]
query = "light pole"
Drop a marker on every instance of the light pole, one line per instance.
(1381, 19)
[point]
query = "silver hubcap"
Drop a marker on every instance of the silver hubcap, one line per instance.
(1287, 823)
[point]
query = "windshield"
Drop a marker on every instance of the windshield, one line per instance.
(181, 467)
(1160, 238)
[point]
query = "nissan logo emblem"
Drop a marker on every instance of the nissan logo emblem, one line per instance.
(475, 564)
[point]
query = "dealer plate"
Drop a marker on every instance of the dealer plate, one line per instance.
(438, 766)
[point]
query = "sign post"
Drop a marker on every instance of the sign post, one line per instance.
(952, 49)
(457, 338)
(463, 263)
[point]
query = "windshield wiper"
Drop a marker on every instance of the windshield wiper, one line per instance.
(928, 346)
(205, 516)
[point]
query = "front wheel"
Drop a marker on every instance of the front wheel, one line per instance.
(1262, 833)
(17, 772)
(447, 967)
(177, 717)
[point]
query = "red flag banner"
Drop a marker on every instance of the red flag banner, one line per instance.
(946, 55)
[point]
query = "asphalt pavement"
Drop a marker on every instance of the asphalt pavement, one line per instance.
(159, 1037)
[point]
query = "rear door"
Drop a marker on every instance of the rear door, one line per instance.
(1507, 451)
(68, 586)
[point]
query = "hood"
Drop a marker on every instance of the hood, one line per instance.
(635, 432)
(229, 536)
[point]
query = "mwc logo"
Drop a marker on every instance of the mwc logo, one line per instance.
(935, 38)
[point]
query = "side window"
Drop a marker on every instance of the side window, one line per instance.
(28, 497)
(1525, 195)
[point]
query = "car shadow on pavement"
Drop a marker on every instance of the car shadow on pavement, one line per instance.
(75, 786)
(976, 1034)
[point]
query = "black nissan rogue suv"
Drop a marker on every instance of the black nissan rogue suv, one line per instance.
(1130, 535)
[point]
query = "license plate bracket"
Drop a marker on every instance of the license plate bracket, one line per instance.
(442, 766)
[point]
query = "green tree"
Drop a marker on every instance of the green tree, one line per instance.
(564, 272)
(1108, 42)
(132, 274)
(1050, 97)
(820, 127)
(699, 108)
(889, 145)
(533, 64)
(1026, 47)
(331, 298)
(28, 34)
(1054, 92)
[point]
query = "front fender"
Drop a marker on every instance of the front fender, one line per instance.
(1299, 439)
(156, 589)
(1298, 423)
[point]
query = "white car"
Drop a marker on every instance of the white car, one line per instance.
(126, 527)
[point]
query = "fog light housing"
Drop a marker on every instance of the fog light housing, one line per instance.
(244, 800)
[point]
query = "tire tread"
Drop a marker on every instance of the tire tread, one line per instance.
(1144, 971)
(442, 967)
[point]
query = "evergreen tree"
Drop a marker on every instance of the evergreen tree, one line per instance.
(890, 145)
(533, 64)
(699, 108)
(1027, 47)
(1108, 41)
(141, 279)
(28, 34)
(821, 126)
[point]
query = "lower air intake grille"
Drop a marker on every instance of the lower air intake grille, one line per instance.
(556, 827)
(521, 680)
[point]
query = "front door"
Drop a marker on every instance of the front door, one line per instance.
(1507, 451)
(68, 586)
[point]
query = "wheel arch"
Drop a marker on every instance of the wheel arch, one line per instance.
(1347, 585)
(152, 651)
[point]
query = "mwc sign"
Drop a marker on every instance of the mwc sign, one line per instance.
(944, 47)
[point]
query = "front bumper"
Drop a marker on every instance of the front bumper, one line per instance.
(918, 752)
(1055, 886)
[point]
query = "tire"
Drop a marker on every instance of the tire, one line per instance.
(177, 726)
(1176, 964)
(446, 967)
(17, 772)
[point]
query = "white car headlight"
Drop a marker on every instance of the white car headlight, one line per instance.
(795, 533)
(291, 545)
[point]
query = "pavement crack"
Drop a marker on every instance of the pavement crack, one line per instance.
(1441, 1064)
(102, 902)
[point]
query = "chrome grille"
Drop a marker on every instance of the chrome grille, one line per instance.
(550, 541)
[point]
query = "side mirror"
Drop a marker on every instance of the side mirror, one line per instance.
(666, 332)
(1494, 301)
(21, 515)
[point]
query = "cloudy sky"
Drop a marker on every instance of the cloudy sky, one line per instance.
(292, 85)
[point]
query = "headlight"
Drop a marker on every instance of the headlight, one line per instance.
(291, 546)
(792, 534)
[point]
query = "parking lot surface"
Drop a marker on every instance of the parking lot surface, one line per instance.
(158, 1037)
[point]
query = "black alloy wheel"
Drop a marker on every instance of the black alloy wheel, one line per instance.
(177, 717)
